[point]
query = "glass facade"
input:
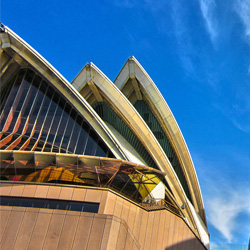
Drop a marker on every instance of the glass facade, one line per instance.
(50, 204)
(131, 180)
(110, 116)
(161, 137)
(35, 117)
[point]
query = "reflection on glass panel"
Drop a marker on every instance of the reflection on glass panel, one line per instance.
(91, 144)
(17, 105)
(48, 118)
(37, 117)
(73, 138)
(34, 112)
(50, 204)
(56, 121)
(67, 130)
(165, 143)
(61, 127)
(81, 142)
(100, 151)
(7, 113)
(5, 91)
(132, 180)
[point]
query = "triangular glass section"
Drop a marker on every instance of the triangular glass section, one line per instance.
(36, 117)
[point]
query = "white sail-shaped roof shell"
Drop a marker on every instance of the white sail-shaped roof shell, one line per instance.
(23, 55)
(106, 89)
(157, 103)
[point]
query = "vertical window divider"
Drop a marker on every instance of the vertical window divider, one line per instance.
(77, 137)
(31, 108)
(59, 123)
(51, 120)
(11, 109)
(64, 130)
(67, 148)
(21, 110)
(37, 116)
(35, 123)
(9, 94)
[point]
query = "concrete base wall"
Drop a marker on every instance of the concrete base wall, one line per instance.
(119, 224)
(33, 228)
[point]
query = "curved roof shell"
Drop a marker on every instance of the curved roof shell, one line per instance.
(105, 89)
(151, 94)
(17, 54)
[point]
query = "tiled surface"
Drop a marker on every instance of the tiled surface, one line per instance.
(67, 193)
(42, 191)
(115, 227)
(152, 230)
(25, 230)
(35, 229)
(78, 194)
(38, 236)
(54, 192)
(29, 190)
(4, 220)
(93, 195)
(17, 190)
(11, 229)
(119, 224)
(68, 232)
(5, 189)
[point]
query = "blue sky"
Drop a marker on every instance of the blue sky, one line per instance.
(198, 54)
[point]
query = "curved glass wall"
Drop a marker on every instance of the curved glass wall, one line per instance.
(110, 116)
(161, 137)
(134, 181)
(36, 117)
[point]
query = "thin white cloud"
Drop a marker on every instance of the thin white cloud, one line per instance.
(237, 110)
(207, 9)
(243, 10)
(226, 197)
(225, 207)
(244, 126)
(167, 13)
(186, 50)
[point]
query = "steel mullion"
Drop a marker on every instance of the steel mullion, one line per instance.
(64, 130)
(9, 87)
(33, 103)
(58, 125)
(67, 148)
(14, 99)
(86, 143)
(5, 138)
(13, 143)
(51, 120)
(16, 102)
(112, 177)
(38, 113)
(80, 130)
(20, 113)
(35, 122)
(125, 184)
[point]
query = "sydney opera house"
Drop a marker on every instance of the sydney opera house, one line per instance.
(91, 164)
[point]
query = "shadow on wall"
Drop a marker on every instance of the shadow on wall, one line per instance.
(192, 244)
